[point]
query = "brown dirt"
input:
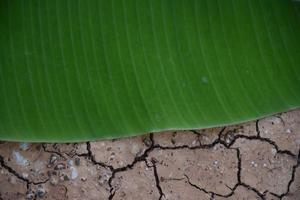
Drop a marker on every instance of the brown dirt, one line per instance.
(254, 160)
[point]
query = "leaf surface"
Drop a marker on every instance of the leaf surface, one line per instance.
(74, 70)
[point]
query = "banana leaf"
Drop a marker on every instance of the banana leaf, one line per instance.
(77, 70)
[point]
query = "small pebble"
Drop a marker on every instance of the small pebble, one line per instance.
(74, 173)
(60, 166)
(194, 142)
(25, 175)
(288, 131)
(274, 151)
(98, 167)
(253, 164)
(24, 146)
(70, 163)
(40, 191)
(53, 180)
(265, 165)
(30, 195)
(83, 179)
(53, 159)
(20, 160)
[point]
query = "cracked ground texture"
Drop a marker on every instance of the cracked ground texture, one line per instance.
(254, 160)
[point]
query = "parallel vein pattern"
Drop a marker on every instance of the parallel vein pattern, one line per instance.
(82, 70)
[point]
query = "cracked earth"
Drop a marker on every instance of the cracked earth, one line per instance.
(254, 160)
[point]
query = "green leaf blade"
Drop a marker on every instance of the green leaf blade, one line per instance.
(84, 70)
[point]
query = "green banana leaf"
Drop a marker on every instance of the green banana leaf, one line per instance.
(76, 70)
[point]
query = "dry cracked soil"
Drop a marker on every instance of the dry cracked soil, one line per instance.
(254, 160)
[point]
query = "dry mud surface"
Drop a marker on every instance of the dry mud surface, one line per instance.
(254, 160)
